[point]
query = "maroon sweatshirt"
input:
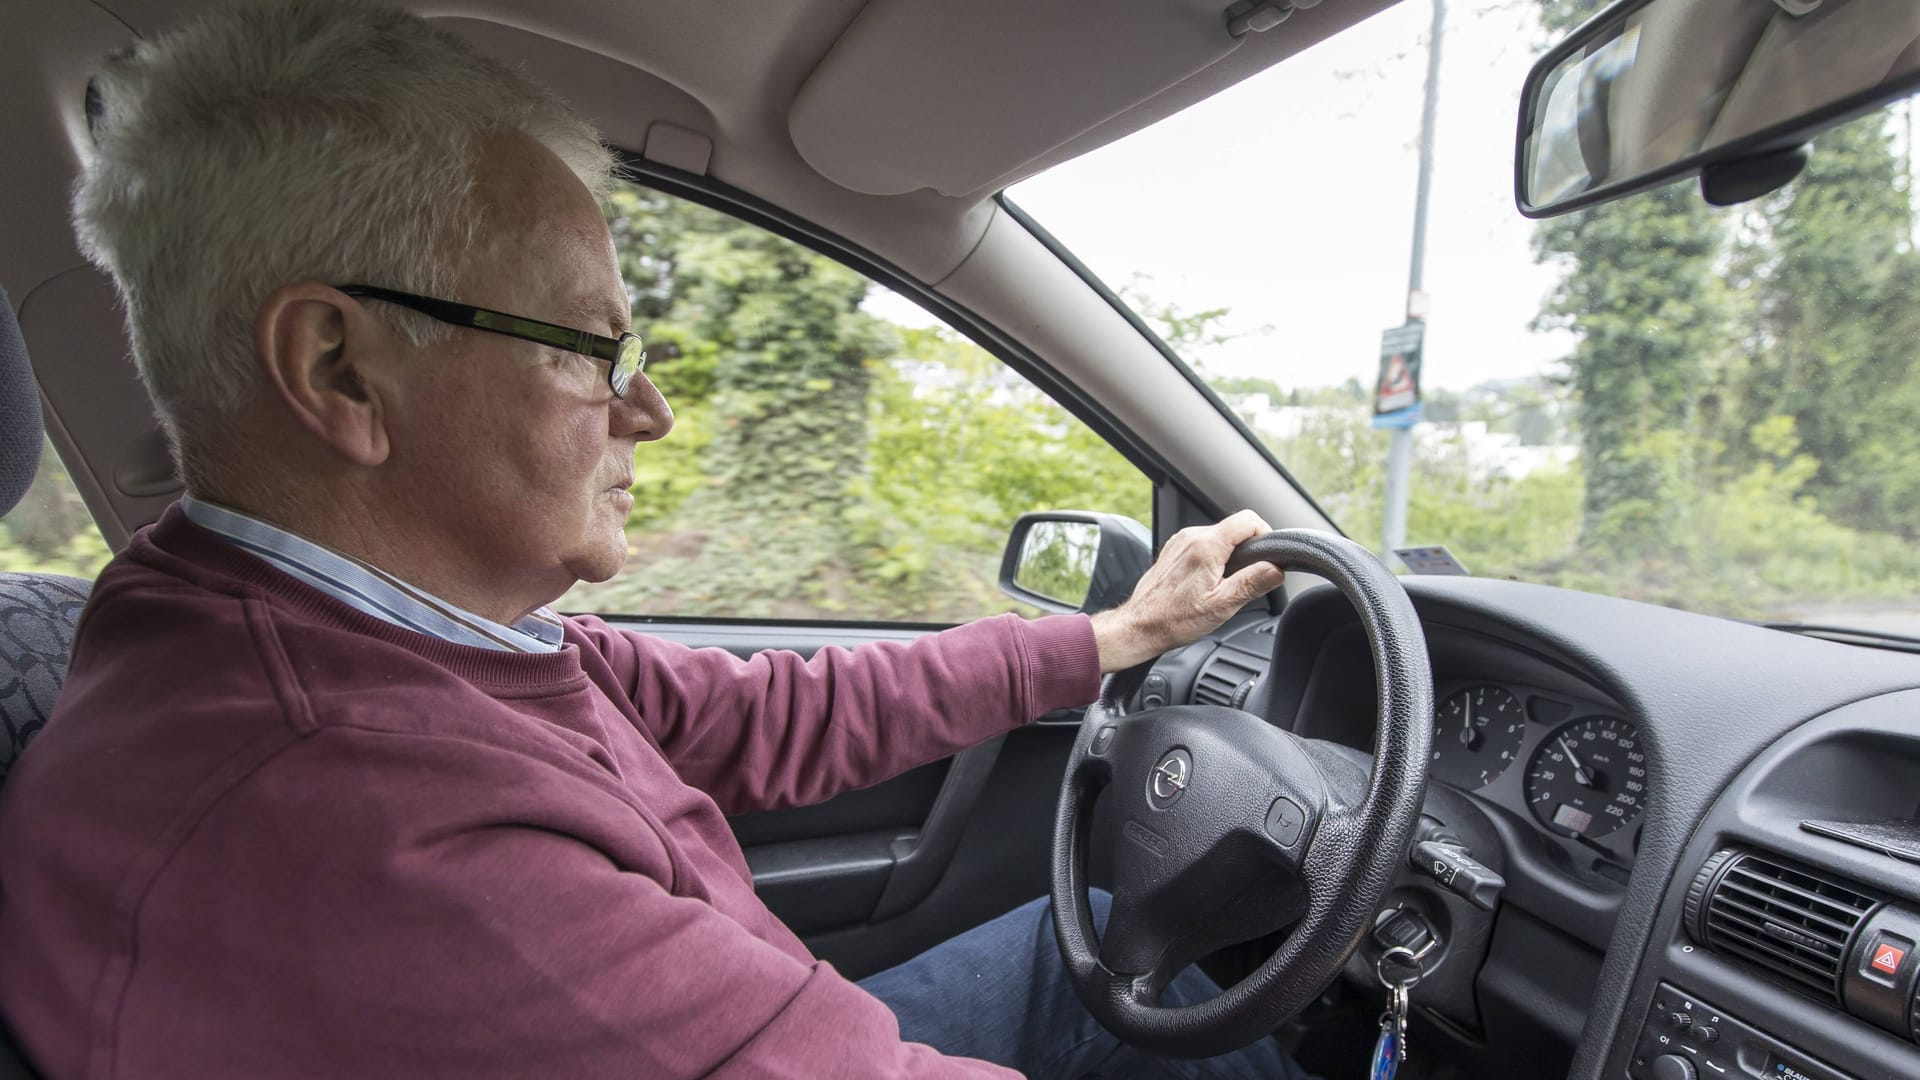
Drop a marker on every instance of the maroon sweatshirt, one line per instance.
(265, 835)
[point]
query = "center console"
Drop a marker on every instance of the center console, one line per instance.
(1788, 946)
(1686, 1038)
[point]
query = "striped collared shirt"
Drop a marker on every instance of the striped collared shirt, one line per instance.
(368, 588)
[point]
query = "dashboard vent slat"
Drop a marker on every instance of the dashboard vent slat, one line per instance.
(1793, 922)
(1789, 946)
(1759, 904)
(1226, 672)
(1818, 982)
(1843, 917)
(1742, 931)
(1213, 688)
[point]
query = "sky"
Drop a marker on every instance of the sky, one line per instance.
(1289, 200)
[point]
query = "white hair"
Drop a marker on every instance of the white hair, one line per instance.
(271, 143)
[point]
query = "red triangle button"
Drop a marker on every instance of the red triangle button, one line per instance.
(1887, 958)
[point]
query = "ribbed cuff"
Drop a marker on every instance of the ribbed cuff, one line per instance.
(1063, 662)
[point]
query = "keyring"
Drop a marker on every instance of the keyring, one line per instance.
(1407, 958)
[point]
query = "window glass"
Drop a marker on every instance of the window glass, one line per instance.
(836, 453)
(1716, 409)
(50, 532)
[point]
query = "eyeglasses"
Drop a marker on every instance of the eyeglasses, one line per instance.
(625, 355)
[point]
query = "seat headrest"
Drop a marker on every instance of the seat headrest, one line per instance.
(21, 434)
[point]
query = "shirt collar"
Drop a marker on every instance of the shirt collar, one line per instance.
(369, 589)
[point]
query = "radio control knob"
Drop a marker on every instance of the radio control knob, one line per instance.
(1672, 1067)
(1706, 1034)
(1681, 1020)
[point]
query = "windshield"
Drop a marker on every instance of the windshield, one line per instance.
(1716, 409)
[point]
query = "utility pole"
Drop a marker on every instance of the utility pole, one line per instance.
(1400, 453)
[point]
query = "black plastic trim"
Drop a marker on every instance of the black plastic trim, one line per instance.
(744, 637)
(1856, 761)
(13, 1058)
(839, 879)
(1321, 685)
(922, 860)
(665, 622)
(820, 883)
(1709, 696)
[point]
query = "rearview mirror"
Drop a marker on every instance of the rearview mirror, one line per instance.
(1075, 560)
(1649, 91)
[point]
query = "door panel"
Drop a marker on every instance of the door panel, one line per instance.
(874, 876)
(999, 862)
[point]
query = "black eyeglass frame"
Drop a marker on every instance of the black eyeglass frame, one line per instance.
(626, 355)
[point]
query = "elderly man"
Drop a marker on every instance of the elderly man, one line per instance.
(330, 791)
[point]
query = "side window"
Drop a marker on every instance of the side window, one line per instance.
(835, 454)
(50, 531)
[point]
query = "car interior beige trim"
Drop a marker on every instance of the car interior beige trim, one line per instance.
(923, 94)
(708, 87)
(77, 342)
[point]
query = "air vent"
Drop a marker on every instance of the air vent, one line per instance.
(1793, 922)
(1227, 677)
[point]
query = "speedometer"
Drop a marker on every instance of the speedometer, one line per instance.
(1477, 733)
(1588, 777)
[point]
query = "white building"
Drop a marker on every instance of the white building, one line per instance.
(1481, 453)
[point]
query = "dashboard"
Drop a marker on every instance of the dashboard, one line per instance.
(1649, 784)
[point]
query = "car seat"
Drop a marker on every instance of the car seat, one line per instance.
(38, 612)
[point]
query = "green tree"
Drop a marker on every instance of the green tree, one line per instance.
(1641, 293)
(961, 446)
(1187, 333)
(823, 461)
(50, 531)
(770, 367)
(1838, 293)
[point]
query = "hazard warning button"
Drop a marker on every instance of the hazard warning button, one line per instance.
(1882, 969)
(1887, 958)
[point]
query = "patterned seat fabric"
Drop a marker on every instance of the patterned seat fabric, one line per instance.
(37, 617)
(38, 612)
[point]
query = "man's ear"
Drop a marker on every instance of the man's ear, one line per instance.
(323, 356)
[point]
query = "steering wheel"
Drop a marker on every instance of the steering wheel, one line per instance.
(1224, 827)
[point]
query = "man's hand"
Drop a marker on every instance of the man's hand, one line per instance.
(1183, 595)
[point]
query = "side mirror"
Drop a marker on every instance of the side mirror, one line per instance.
(1075, 560)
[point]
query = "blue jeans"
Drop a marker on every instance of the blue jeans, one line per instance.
(999, 992)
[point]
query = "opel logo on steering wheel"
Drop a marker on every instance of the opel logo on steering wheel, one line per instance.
(1169, 779)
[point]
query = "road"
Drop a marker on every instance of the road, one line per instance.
(1892, 617)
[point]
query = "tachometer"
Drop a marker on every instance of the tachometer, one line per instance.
(1588, 777)
(1476, 735)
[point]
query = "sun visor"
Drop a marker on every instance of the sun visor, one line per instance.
(958, 97)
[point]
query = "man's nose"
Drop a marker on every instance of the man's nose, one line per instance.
(643, 414)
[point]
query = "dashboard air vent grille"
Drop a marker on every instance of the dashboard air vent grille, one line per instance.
(1225, 675)
(1793, 922)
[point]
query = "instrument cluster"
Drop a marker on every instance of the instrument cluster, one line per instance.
(1577, 768)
